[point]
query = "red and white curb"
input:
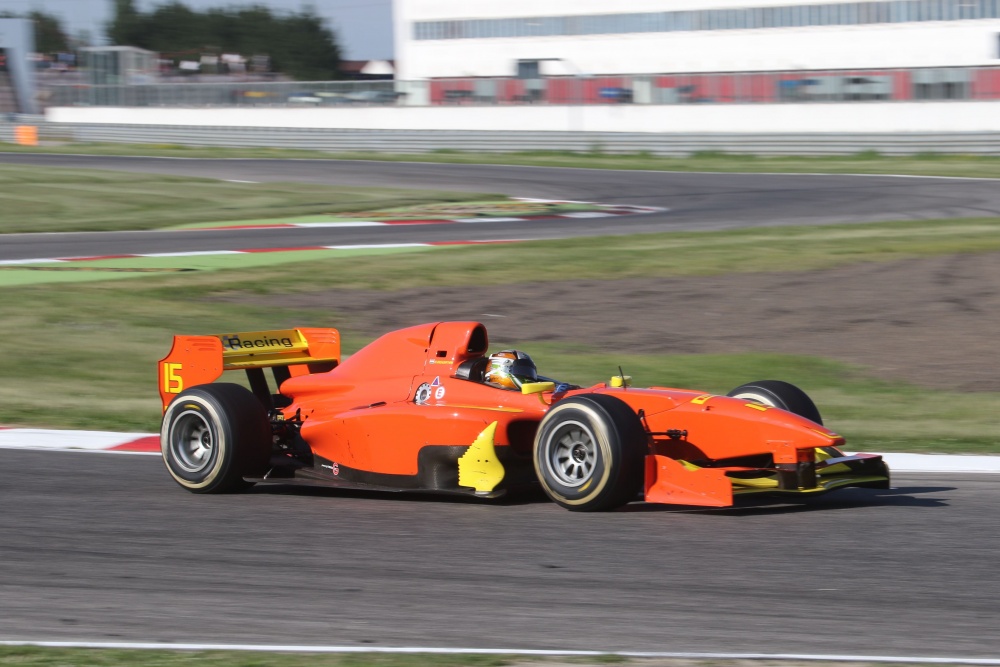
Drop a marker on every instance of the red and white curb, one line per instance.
(603, 211)
(149, 443)
(247, 251)
(79, 441)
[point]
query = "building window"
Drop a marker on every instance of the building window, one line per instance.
(528, 69)
(826, 14)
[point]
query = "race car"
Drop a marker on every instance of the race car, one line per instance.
(426, 409)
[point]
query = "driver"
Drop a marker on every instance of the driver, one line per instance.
(509, 369)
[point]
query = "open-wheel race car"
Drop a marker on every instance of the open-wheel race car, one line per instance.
(425, 409)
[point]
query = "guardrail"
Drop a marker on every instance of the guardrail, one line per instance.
(426, 141)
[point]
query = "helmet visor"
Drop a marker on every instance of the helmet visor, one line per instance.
(522, 372)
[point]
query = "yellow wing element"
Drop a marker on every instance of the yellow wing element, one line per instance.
(479, 467)
(286, 347)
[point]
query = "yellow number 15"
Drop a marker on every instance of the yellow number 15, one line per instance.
(173, 383)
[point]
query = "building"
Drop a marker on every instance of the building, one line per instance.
(889, 49)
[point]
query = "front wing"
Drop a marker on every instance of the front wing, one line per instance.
(679, 482)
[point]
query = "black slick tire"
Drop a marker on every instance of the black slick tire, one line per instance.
(779, 394)
(589, 453)
(214, 435)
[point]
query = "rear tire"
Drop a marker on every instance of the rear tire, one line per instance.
(590, 453)
(779, 394)
(214, 435)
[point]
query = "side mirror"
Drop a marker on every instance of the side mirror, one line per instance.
(537, 387)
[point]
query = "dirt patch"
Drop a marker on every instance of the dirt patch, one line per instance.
(932, 321)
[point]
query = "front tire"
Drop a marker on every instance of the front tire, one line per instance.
(779, 394)
(589, 453)
(214, 435)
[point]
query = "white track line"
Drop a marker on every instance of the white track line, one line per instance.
(45, 439)
(286, 648)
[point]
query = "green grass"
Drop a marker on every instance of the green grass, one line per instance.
(36, 199)
(866, 162)
(84, 355)
(33, 656)
(635, 256)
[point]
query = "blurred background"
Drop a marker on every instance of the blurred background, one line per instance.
(135, 53)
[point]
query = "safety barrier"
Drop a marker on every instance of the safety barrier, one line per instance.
(424, 141)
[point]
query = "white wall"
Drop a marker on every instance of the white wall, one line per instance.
(761, 118)
(924, 44)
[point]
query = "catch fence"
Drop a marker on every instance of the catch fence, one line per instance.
(792, 87)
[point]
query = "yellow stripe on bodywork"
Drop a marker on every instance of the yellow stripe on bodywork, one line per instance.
(480, 407)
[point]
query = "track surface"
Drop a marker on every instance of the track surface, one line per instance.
(107, 548)
(696, 202)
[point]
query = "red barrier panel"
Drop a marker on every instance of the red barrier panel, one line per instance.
(561, 90)
(986, 84)
(750, 87)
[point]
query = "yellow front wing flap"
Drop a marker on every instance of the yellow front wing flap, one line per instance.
(827, 479)
(823, 485)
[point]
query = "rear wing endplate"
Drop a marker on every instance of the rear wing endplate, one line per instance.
(195, 360)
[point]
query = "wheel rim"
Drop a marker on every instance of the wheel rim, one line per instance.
(572, 454)
(754, 397)
(191, 442)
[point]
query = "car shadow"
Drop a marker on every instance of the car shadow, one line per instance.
(909, 496)
(853, 498)
(409, 495)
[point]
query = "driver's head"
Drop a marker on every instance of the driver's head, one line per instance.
(510, 369)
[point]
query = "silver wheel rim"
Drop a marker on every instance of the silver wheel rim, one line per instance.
(191, 442)
(571, 455)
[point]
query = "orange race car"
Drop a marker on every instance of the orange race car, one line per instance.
(425, 409)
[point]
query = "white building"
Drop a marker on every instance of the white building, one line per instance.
(675, 67)
(531, 38)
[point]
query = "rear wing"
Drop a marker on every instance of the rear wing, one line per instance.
(195, 360)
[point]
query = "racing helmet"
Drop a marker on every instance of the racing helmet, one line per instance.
(510, 369)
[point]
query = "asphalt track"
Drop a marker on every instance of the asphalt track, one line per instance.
(695, 202)
(101, 547)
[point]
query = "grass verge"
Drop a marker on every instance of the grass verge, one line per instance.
(867, 162)
(86, 353)
(37, 199)
(36, 656)
(32, 656)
